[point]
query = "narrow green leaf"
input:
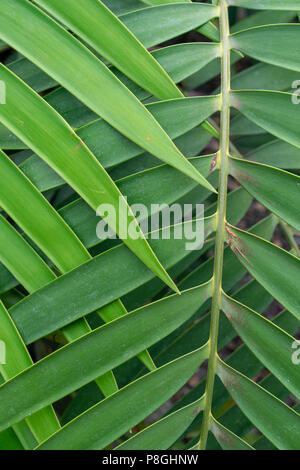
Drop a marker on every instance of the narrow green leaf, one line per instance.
(35, 119)
(182, 60)
(241, 126)
(266, 4)
(179, 61)
(82, 219)
(143, 396)
(31, 74)
(25, 433)
(162, 434)
(227, 439)
(164, 2)
(276, 269)
(263, 77)
(260, 180)
(273, 111)
(21, 260)
(279, 423)
(131, 118)
(243, 360)
(272, 345)
(46, 228)
(139, 188)
(44, 423)
(176, 116)
(101, 350)
(51, 233)
(210, 30)
(276, 153)
(120, 7)
(10, 441)
(94, 284)
(186, 338)
(281, 44)
(153, 26)
(85, 17)
(33, 273)
(263, 18)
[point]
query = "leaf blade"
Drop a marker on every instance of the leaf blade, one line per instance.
(266, 4)
(162, 434)
(103, 349)
(85, 17)
(52, 147)
(149, 389)
(272, 345)
(265, 411)
(260, 180)
(107, 104)
(278, 276)
(271, 110)
(280, 43)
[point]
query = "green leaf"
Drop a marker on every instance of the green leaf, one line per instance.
(139, 188)
(276, 269)
(263, 18)
(43, 423)
(179, 61)
(280, 44)
(244, 361)
(177, 116)
(143, 396)
(93, 285)
(46, 228)
(162, 434)
(101, 350)
(272, 345)
(35, 119)
(210, 31)
(276, 153)
(273, 111)
(266, 4)
(182, 60)
(263, 77)
(10, 441)
(188, 337)
(278, 422)
(21, 260)
(164, 2)
(120, 7)
(85, 17)
(131, 118)
(227, 439)
(260, 180)
(31, 74)
(241, 126)
(155, 25)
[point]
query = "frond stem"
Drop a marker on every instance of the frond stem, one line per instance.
(221, 221)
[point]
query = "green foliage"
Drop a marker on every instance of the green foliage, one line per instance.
(96, 113)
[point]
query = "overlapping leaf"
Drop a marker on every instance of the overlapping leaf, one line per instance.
(273, 417)
(276, 269)
(280, 44)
